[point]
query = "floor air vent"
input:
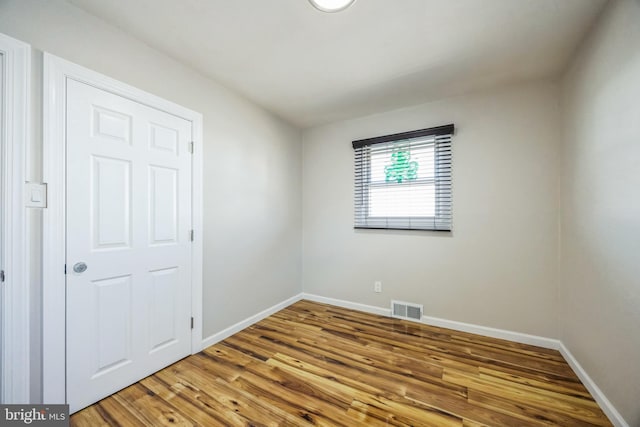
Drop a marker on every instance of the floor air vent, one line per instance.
(406, 310)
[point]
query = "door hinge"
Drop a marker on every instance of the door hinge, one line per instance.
(65, 269)
(191, 235)
(192, 323)
(191, 148)
(2, 278)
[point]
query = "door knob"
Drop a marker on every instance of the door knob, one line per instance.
(80, 267)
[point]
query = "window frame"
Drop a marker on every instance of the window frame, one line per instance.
(442, 182)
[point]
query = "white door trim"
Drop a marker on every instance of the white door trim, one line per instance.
(56, 73)
(14, 336)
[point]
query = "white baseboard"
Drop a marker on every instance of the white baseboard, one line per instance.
(233, 329)
(348, 304)
(598, 395)
(502, 334)
(442, 323)
(606, 406)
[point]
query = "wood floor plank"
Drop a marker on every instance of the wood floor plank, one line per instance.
(506, 406)
(441, 334)
(540, 388)
(118, 412)
(93, 418)
(192, 402)
(401, 363)
(314, 364)
(435, 333)
(152, 409)
(374, 371)
(293, 395)
(448, 350)
(569, 387)
(465, 410)
(406, 412)
(368, 415)
(584, 410)
(470, 423)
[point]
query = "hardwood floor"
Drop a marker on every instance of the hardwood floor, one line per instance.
(315, 364)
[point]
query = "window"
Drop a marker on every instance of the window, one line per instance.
(403, 181)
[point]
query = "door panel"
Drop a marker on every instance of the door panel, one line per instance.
(112, 345)
(165, 289)
(129, 220)
(110, 203)
(112, 125)
(163, 138)
(163, 218)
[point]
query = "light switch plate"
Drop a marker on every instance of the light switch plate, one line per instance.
(35, 194)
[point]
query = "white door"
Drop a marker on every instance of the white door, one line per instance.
(128, 210)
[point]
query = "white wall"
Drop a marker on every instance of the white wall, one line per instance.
(498, 267)
(600, 275)
(251, 174)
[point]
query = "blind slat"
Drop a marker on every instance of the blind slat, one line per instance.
(403, 181)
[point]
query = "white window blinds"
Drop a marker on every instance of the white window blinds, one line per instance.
(403, 181)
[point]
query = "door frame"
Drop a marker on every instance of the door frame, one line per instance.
(15, 310)
(56, 73)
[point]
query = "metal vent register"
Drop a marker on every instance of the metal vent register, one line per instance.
(406, 310)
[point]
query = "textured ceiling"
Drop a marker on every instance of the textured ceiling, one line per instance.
(312, 68)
